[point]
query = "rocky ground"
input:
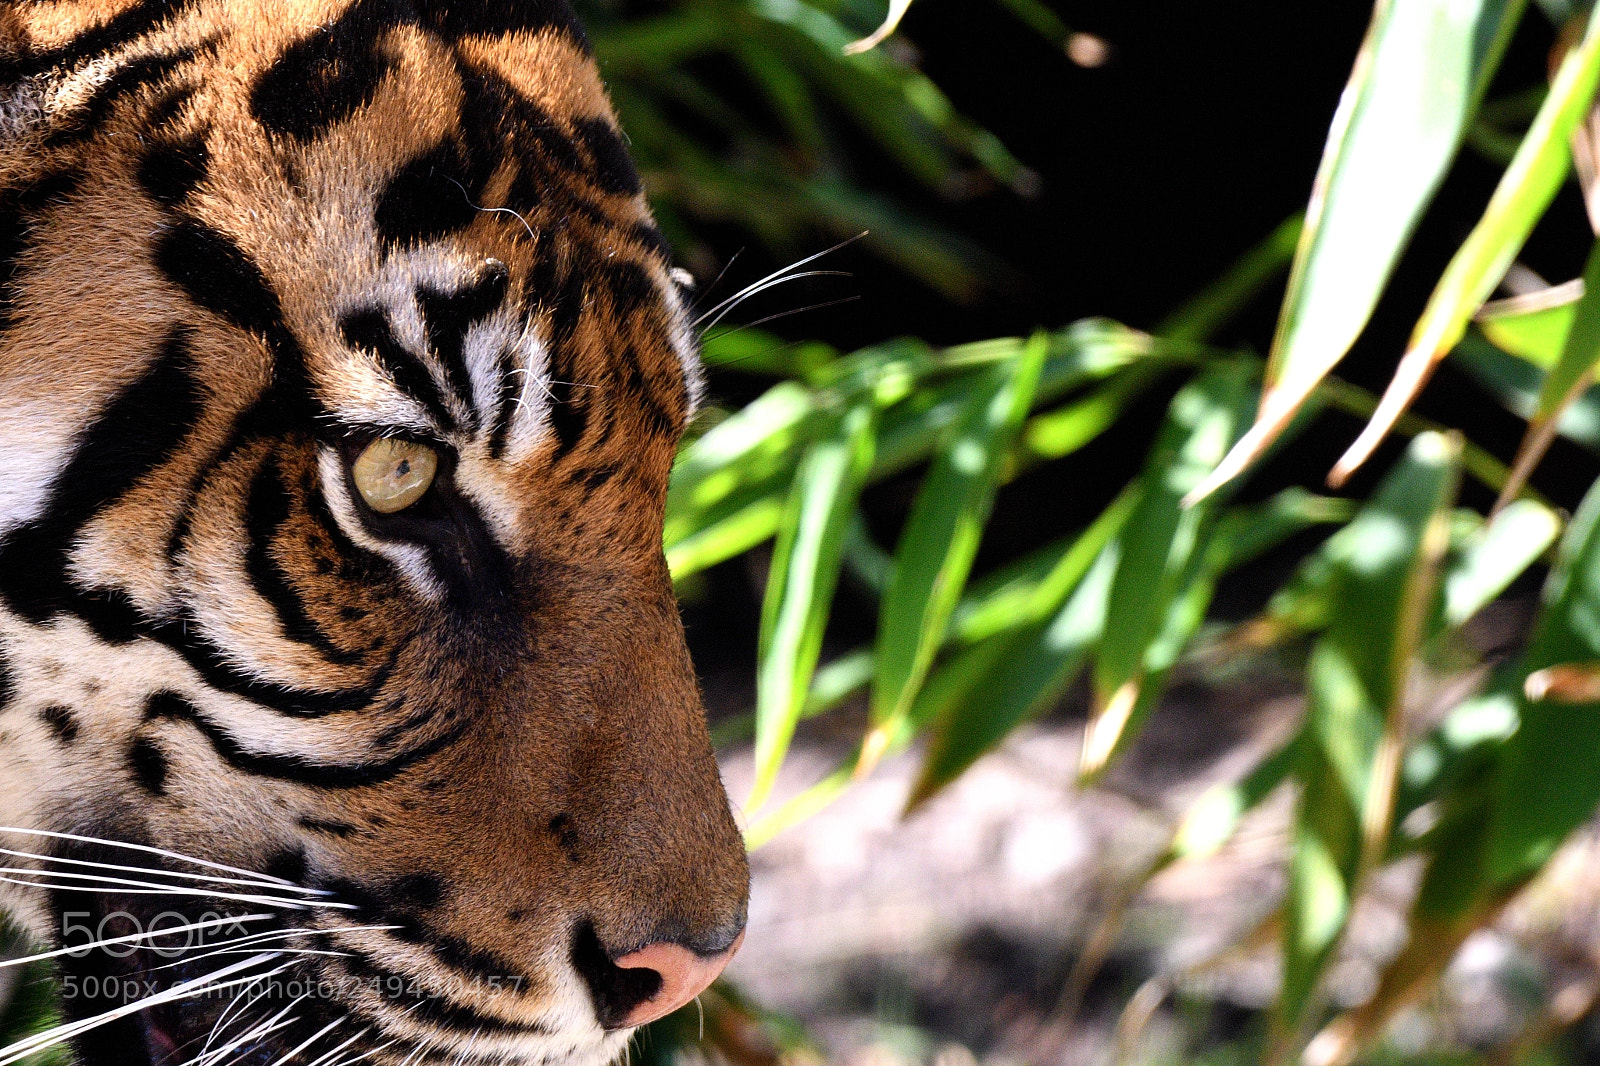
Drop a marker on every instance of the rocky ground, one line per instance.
(951, 937)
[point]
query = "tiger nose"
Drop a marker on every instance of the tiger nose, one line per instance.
(684, 975)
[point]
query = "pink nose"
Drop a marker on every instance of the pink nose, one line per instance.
(684, 975)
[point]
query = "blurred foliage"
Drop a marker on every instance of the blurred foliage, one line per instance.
(739, 113)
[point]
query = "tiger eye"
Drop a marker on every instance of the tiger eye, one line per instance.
(391, 475)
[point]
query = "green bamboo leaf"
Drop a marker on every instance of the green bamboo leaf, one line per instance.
(741, 528)
(800, 586)
(788, 93)
(1515, 384)
(1040, 19)
(1163, 544)
(1383, 569)
(762, 438)
(1059, 433)
(1535, 326)
(1418, 78)
(1496, 556)
(941, 535)
(1567, 380)
(754, 351)
(660, 43)
(1548, 779)
(1023, 671)
(1519, 201)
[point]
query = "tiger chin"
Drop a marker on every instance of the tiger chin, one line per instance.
(345, 711)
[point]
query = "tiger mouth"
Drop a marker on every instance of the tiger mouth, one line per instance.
(276, 1010)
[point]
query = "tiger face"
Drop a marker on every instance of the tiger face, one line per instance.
(341, 373)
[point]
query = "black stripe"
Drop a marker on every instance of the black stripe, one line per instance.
(125, 27)
(149, 766)
(369, 331)
(453, 19)
(610, 168)
(342, 830)
(266, 511)
(170, 706)
(512, 385)
(169, 172)
(139, 431)
(448, 317)
(647, 234)
(437, 193)
(219, 276)
(85, 120)
(568, 413)
(326, 77)
(455, 1017)
(63, 723)
(182, 636)
(8, 683)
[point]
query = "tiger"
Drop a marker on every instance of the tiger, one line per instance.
(346, 712)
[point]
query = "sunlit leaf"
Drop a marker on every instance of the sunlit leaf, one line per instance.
(805, 570)
(1212, 819)
(1548, 780)
(1497, 556)
(1163, 544)
(1519, 201)
(1533, 327)
(1515, 384)
(897, 11)
(940, 538)
(1383, 570)
(1566, 381)
(982, 694)
(1421, 71)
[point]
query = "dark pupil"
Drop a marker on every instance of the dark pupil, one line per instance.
(404, 468)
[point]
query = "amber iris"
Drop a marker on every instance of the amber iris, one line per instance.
(393, 474)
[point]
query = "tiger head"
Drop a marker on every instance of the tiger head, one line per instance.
(342, 686)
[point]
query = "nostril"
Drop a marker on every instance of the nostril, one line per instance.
(615, 991)
(684, 975)
(646, 984)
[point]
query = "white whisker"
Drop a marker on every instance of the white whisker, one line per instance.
(732, 259)
(276, 934)
(271, 1023)
(368, 1054)
(312, 1039)
(23, 1048)
(148, 850)
(149, 872)
(786, 314)
(265, 1029)
(239, 1004)
(754, 287)
(165, 890)
(495, 210)
(326, 1055)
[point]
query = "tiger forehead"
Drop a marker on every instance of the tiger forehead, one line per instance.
(429, 202)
